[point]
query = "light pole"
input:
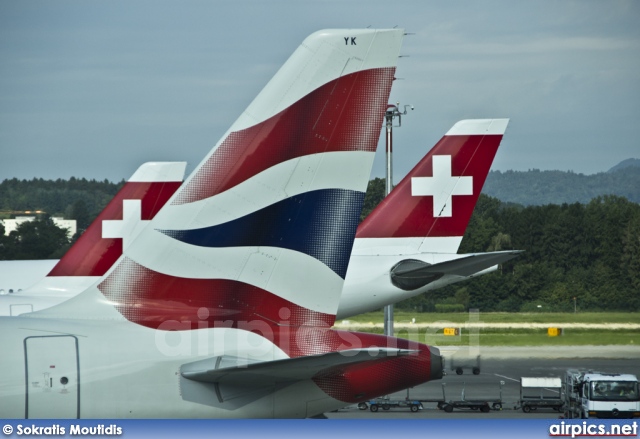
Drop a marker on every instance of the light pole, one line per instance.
(391, 113)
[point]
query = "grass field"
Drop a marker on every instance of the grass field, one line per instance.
(526, 337)
(521, 336)
(503, 317)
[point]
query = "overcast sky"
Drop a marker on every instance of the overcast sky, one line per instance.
(94, 88)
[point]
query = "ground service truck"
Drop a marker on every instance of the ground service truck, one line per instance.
(589, 394)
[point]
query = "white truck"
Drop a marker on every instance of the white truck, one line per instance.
(589, 394)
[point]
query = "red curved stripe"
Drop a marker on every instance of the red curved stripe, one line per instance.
(360, 382)
(152, 299)
(342, 115)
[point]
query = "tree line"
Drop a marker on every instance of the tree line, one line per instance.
(39, 239)
(585, 255)
(76, 198)
(577, 256)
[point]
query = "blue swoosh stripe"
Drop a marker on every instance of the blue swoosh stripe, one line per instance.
(321, 224)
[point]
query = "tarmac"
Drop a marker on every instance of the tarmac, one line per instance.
(499, 379)
(584, 351)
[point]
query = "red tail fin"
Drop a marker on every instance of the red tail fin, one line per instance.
(142, 196)
(437, 198)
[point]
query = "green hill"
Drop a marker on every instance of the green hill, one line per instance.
(538, 188)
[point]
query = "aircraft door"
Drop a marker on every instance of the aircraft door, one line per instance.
(52, 377)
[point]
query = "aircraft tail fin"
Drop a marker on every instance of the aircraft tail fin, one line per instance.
(429, 210)
(101, 244)
(263, 228)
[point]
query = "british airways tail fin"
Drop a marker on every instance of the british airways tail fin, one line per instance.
(429, 210)
(264, 226)
(100, 246)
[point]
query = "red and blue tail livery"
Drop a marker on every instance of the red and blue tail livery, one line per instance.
(280, 195)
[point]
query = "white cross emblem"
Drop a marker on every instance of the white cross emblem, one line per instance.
(129, 226)
(442, 186)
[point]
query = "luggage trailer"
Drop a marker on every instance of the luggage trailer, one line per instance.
(538, 393)
(484, 405)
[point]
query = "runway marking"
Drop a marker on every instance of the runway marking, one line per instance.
(506, 378)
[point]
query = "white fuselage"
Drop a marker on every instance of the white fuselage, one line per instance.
(122, 370)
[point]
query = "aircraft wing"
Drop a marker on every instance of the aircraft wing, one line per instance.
(286, 370)
(412, 274)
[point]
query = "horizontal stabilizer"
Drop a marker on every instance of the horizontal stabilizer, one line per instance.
(289, 369)
(412, 274)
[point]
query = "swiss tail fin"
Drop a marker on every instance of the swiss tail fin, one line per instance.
(429, 210)
(100, 246)
(263, 228)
